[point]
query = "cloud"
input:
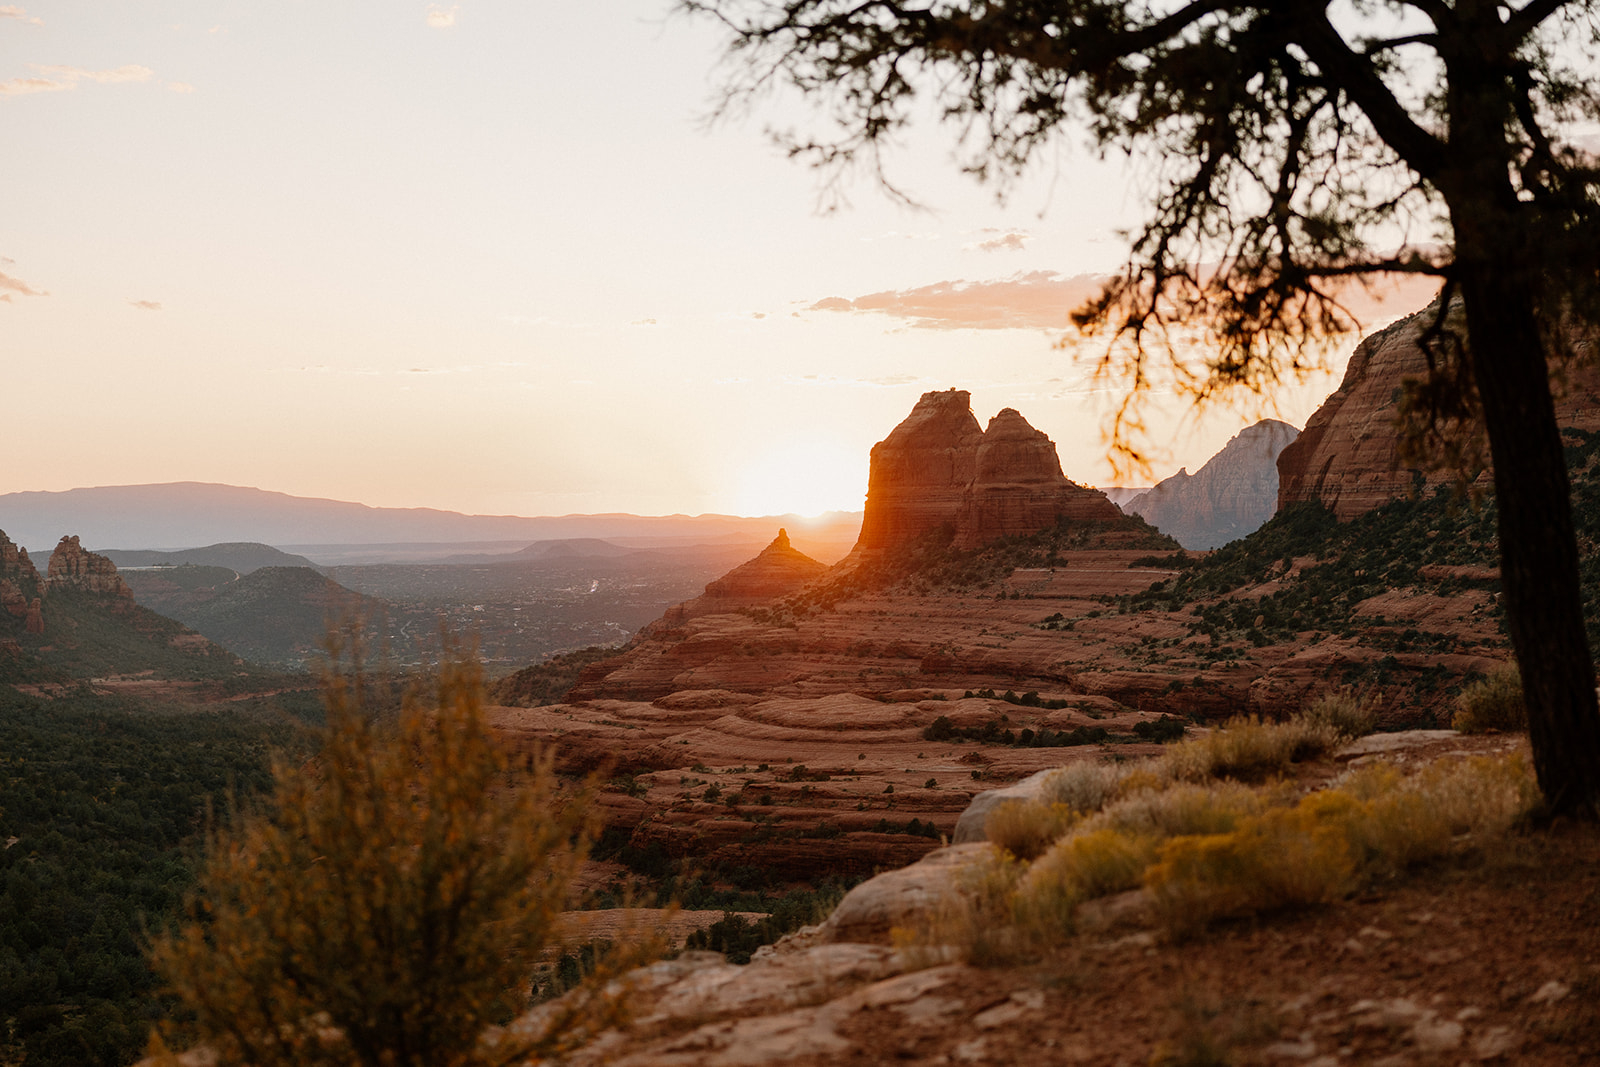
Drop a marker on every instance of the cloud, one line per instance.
(441, 17)
(12, 285)
(1036, 300)
(55, 78)
(180, 87)
(147, 305)
(24, 86)
(999, 241)
(12, 11)
(1042, 300)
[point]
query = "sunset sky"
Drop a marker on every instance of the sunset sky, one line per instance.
(487, 256)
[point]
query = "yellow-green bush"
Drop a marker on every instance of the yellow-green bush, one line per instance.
(1494, 703)
(1226, 849)
(393, 899)
(1080, 868)
(1027, 828)
(1281, 858)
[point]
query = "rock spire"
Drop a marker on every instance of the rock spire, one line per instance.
(940, 468)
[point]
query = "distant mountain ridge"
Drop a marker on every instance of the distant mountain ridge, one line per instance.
(178, 515)
(241, 556)
(1232, 495)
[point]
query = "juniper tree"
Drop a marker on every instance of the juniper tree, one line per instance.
(1298, 144)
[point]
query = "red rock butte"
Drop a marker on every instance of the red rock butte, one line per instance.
(940, 468)
(780, 569)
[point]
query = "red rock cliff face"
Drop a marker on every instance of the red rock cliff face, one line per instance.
(1346, 455)
(73, 567)
(939, 468)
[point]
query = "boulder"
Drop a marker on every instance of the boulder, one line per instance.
(970, 826)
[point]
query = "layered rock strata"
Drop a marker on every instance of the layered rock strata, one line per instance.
(940, 468)
(1347, 456)
(1228, 498)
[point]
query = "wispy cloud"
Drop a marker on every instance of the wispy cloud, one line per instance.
(10, 286)
(12, 11)
(180, 87)
(441, 17)
(146, 305)
(54, 78)
(1043, 300)
(1035, 300)
(996, 240)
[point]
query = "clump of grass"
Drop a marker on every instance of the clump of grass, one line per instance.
(1346, 714)
(1494, 703)
(1085, 785)
(1248, 749)
(1027, 829)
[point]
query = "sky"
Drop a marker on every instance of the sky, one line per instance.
(491, 256)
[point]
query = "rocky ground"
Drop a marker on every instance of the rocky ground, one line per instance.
(1496, 959)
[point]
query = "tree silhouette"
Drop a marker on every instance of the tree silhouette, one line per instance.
(1298, 144)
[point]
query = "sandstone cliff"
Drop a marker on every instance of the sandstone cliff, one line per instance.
(939, 468)
(780, 569)
(1346, 456)
(74, 567)
(21, 591)
(1231, 496)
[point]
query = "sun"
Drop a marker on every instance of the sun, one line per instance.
(801, 478)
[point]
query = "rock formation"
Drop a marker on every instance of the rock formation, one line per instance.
(1231, 496)
(779, 569)
(1346, 456)
(20, 587)
(939, 468)
(74, 567)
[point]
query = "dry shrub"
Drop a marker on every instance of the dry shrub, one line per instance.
(1494, 703)
(1027, 828)
(1247, 749)
(1346, 714)
(393, 899)
(1183, 809)
(1226, 849)
(973, 923)
(1086, 785)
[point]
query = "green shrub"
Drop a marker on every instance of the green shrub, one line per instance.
(1494, 703)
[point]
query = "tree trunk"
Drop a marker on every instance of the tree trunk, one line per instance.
(1538, 549)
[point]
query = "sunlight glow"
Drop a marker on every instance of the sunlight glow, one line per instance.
(803, 478)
